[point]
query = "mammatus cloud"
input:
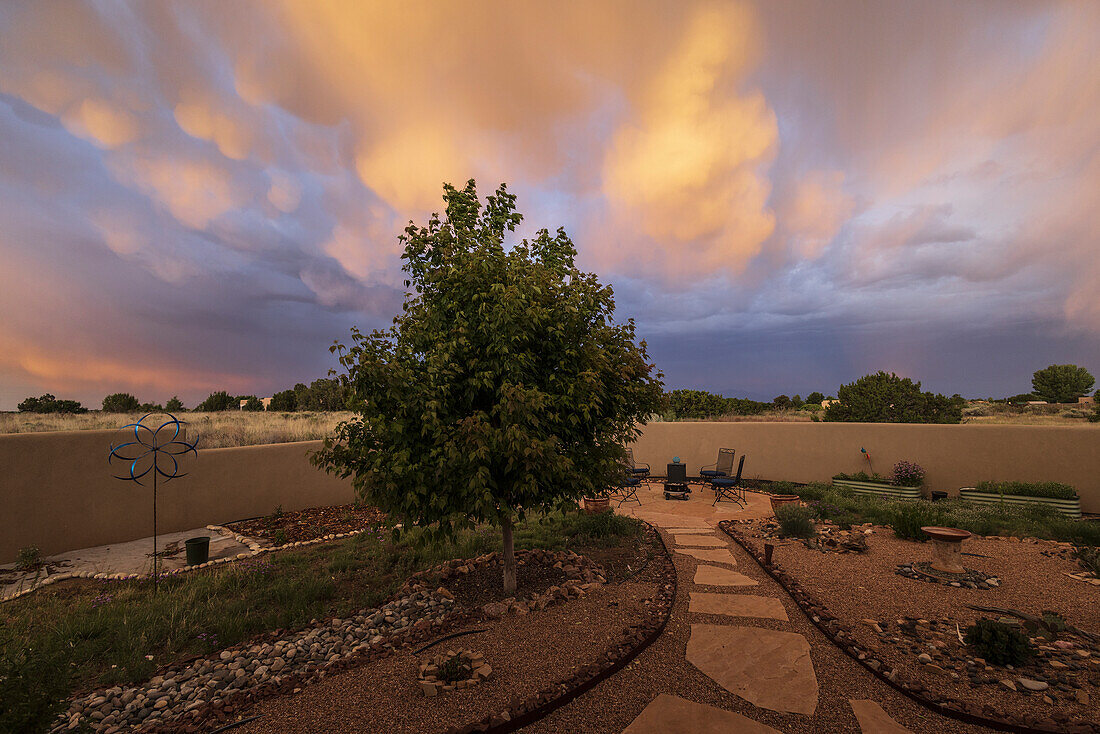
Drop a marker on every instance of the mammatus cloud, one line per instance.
(206, 194)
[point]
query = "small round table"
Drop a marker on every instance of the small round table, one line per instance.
(947, 548)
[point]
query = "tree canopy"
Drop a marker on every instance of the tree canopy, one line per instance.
(504, 387)
(49, 404)
(1061, 383)
(886, 398)
(120, 402)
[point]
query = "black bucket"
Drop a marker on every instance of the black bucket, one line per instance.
(198, 550)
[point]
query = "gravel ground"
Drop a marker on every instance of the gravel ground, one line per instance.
(662, 668)
(526, 653)
(864, 586)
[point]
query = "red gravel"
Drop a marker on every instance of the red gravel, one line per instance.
(526, 654)
(856, 587)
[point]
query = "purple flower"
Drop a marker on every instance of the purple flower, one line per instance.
(908, 474)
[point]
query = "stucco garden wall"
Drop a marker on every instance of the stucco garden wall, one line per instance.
(954, 456)
(57, 491)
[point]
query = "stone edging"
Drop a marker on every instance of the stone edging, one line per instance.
(618, 655)
(254, 549)
(841, 635)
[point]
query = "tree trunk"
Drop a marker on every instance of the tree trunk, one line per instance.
(509, 557)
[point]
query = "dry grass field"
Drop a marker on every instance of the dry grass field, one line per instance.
(217, 430)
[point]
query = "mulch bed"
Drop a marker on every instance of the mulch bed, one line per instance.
(310, 523)
(913, 627)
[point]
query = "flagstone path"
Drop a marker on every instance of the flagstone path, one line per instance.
(739, 643)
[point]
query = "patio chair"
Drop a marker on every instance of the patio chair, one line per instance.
(640, 471)
(721, 468)
(627, 489)
(728, 488)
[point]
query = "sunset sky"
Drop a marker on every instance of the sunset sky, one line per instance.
(198, 196)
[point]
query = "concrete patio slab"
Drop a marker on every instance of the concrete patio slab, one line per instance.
(669, 714)
(737, 605)
(873, 720)
(713, 555)
(715, 576)
(133, 556)
(767, 668)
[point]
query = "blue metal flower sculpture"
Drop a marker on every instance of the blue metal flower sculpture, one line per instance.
(152, 453)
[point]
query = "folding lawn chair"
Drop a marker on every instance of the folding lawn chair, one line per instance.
(728, 488)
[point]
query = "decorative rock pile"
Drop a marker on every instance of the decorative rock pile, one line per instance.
(180, 691)
(971, 579)
(433, 678)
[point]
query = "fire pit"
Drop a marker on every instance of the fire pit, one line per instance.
(946, 548)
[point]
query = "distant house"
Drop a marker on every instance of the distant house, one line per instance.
(265, 401)
(1087, 400)
(1036, 402)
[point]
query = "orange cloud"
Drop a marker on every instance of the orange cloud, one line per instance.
(688, 167)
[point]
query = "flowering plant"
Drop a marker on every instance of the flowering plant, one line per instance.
(908, 474)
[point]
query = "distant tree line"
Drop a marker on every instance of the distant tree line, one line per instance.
(49, 404)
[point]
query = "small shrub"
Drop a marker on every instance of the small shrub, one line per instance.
(795, 521)
(1050, 625)
(29, 558)
(908, 474)
(998, 643)
(910, 517)
(454, 669)
(862, 476)
(280, 537)
(1089, 559)
(1054, 490)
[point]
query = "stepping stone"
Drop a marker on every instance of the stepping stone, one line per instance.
(714, 555)
(737, 605)
(668, 714)
(767, 668)
(715, 576)
(690, 531)
(708, 541)
(873, 720)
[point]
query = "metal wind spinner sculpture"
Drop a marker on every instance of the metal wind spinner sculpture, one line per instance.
(151, 453)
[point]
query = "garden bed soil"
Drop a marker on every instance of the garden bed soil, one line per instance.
(917, 618)
(310, 523)
(527, 654)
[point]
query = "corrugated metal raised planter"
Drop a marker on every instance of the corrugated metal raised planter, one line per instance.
(877, 489)
(1069, 507)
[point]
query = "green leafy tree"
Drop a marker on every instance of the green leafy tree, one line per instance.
(285, 400)
(815, 397)
(174, 405)
(301, 396)
(886, 398)
(796, 401)
(120, 402)
(254, 404)
(328, 394)
(1095, 417)
(503, 388)
(1061, 383)
(216, 401)
(781, 401)
(49, 404)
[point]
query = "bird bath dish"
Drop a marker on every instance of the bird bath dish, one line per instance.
(946, 548)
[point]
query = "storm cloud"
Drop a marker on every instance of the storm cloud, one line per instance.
(203, 195)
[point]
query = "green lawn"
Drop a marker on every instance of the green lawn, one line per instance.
(85, 633)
